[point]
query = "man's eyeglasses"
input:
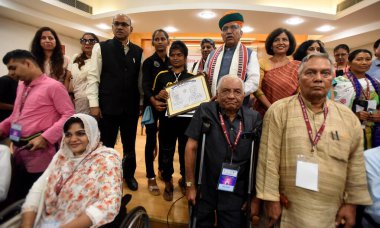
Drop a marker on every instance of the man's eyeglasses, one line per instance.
(232, 27)
(88, 41)
(122, 24)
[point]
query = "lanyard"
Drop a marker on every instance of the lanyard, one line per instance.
(232, 147)
(308, 126)
(25, 94)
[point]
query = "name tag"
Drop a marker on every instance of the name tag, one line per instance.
(15, 132)
(371, 105)
(307, 174)
(228, 177)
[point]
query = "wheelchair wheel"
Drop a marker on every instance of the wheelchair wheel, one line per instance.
(8, 215)
(136, 218)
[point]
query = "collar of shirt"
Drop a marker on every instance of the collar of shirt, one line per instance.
(376, 62)
(156, 57)
(309, 106)
(224, 114)
(230, 49)
(36, 81)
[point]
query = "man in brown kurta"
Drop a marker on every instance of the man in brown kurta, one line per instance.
(329, 195)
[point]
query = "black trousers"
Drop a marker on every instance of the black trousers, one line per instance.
(150, 146)
(109, 126)
(171, 130)
(224, 218)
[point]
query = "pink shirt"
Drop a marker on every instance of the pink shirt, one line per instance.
(47, 106)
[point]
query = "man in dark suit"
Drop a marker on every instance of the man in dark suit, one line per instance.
(113, 91)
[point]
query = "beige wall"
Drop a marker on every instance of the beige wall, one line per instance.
(15, 35)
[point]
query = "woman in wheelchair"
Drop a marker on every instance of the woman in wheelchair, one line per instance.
(82, 187)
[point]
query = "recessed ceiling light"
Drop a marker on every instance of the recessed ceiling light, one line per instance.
(325, 28)
(294, 21)
(103, 26)
(170, 29)
(247, 29)
(206, 14)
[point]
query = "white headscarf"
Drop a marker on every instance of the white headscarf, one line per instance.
(92, 132)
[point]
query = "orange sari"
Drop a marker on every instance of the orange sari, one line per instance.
(278, 83)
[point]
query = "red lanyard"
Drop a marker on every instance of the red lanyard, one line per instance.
(367, 93)
(232, 147)
(308, 126)
(24, 96)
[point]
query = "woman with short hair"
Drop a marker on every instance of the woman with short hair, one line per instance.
(278, 74)
(207, 46)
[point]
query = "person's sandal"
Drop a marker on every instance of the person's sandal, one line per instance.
(152, 187)
(168, 192)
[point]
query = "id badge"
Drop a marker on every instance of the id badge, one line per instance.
(371, 105)
(307, 173)
(228, 177)
(15, 132)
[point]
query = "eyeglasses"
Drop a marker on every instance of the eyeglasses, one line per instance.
(88, 41)
(122, 24)
(232, 27)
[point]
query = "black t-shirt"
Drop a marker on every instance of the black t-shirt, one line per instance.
(8, 89)
(150, 68)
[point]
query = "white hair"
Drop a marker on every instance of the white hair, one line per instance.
(228, 76)
(302, 67)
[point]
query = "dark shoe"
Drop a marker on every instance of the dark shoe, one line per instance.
(168, 192)
(132, 183)
(182, 186)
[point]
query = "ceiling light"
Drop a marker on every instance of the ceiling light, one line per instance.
(247, 29)
(103, 26)
(170, 29)
(294, 21)
(206, 14)
(325, 28)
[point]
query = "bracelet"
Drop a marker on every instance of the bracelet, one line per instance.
(258, 94)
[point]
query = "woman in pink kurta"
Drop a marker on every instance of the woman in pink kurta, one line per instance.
(82, 185)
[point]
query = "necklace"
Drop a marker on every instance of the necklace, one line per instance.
(176, 76)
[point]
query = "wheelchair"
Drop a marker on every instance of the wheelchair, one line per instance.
(136, 218)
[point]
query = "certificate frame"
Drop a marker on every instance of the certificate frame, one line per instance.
(187, 95)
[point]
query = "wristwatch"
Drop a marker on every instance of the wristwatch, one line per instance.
(189, 184)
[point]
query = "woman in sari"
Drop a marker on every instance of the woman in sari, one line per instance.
(278, 74)
(82, 187)
(360, 92)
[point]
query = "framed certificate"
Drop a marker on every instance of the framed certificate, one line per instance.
(187, 95)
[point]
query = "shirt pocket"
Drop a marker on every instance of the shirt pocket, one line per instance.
(339, 150)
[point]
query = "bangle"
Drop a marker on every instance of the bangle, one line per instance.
(258, 94)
